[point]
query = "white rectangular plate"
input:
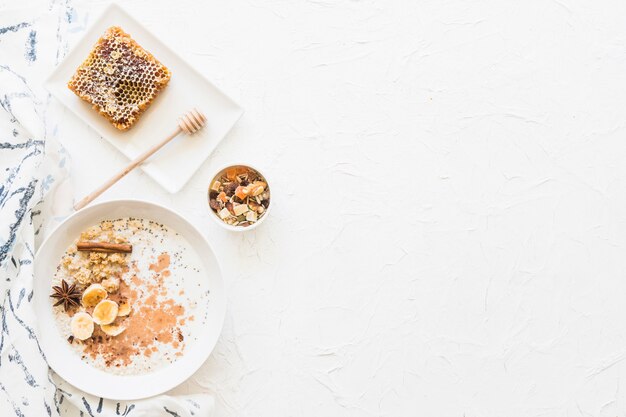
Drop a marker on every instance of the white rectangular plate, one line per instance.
(187, 89)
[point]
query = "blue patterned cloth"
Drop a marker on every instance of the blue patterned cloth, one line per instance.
(32, 170)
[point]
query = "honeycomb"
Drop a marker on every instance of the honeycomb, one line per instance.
(119, 78)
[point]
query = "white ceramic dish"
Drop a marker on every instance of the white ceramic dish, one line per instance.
(187, 89)
(60, 355)
(219, 221)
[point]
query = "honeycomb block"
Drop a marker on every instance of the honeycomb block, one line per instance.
(119, 78)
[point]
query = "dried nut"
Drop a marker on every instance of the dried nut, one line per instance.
(230, 208)
(231, 187)
(251, 216)
(257, 188)
(260, 210)
(216, 186)
(253, 205)
(224, 213)
(240, 209)
(214, 204)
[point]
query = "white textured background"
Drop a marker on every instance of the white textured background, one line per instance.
(449, 219)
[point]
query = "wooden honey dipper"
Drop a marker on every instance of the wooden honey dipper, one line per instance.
(189, 123)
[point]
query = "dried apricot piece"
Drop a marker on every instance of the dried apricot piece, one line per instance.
(242, 192)
(231, 173)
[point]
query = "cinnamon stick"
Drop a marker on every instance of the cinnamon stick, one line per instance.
(104, 247)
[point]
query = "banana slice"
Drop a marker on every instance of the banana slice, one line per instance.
(123, 309)
(93, 295)
(112, 329)
(105, 312)
(81, 326)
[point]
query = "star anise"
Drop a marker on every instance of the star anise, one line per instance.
(66, 294)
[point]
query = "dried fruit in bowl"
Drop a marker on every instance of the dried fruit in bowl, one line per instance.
(242, 196)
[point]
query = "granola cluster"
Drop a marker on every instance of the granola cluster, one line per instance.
(239, 196)
(90, 267)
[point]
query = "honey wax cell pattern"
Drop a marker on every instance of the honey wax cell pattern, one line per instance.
(119, 78)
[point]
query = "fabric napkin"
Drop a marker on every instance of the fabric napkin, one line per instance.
(34, 195)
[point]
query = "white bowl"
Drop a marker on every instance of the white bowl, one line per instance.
(62, 357)
(217, 218)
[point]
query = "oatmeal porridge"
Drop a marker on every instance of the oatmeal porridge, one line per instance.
(127, 295)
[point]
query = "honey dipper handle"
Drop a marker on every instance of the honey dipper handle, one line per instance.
(132, 165)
